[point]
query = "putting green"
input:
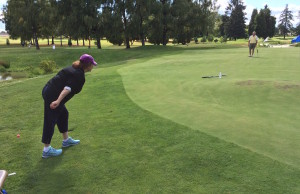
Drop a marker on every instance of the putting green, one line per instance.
(255, 106)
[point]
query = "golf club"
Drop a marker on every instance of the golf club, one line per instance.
(212, 76)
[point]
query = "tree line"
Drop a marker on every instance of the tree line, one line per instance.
(126, 21)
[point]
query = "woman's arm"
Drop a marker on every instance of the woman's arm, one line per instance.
(62, 95)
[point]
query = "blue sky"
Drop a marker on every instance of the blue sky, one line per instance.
(276, 6)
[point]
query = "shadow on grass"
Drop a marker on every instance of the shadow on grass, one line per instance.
(42, 173)
(64, 56)
(119, 57)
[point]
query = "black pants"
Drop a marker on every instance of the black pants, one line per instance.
(59, 116)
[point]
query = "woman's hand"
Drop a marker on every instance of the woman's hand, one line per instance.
(62, 95)
(54, 104)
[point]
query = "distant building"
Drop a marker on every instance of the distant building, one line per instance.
(3, 33)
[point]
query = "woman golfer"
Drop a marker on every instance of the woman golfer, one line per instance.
(60, 89)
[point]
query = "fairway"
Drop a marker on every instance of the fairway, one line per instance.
(148, 122)
(255, 106)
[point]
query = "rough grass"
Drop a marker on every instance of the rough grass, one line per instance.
(124, 148)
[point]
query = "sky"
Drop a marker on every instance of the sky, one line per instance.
(276, 6)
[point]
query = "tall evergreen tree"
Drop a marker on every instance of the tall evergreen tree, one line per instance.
(270, 21)
(224, 25)
(261, 24)
(252, 23)
(285, 19)
(264, 23)
(271, 25)
(236, 26)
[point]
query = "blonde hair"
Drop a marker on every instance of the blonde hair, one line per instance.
(80, 65)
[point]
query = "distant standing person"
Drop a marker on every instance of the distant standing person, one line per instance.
(252, 43)
(61, 88)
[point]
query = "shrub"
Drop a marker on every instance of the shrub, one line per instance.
(7, 42)
(216, 40)
(297, 45)
(48, 66)
(36, 71)
(175, 41)
(116, 39)
(203, 39)
(2, 69)
(5, 64)
(210, 38)
(223, 39)
(196, 40)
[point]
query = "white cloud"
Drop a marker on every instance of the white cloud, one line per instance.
(223, 4)
(249, 10)
(275, 11)
(2, 26)
(2, 2)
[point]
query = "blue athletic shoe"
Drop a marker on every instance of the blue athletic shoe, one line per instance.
(70, 142)
(52, 152)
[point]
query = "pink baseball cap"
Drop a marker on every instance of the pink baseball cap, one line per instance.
(85, 58)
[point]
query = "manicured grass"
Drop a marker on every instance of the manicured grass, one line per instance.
(124, 148)
(255, 106)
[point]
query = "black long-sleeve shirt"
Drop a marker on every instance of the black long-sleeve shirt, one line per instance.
(70, 77)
